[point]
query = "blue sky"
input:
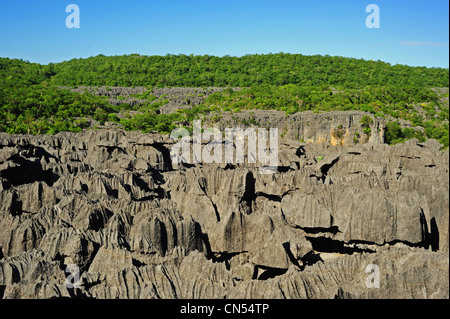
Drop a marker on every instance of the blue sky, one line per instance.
(411, 32)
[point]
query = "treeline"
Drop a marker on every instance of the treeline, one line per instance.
(249, 70)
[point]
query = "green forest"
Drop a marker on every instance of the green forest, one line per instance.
(33, 100)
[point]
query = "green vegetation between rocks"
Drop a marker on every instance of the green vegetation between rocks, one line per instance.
(33, 102)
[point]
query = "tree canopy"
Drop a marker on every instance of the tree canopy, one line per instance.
(245, 71)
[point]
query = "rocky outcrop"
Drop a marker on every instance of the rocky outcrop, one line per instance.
(335, 128)
(176, 97)
(138, 226)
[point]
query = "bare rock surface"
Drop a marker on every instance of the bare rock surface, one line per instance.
(137, 226)
(177, 97)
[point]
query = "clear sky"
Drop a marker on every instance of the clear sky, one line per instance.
(411, 32)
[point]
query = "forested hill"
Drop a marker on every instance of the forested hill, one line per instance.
(33, 100)
(246, 71)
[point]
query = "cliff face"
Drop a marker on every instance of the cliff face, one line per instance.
(137, 226)
(335, 128)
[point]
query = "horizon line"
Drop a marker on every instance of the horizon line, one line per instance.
(230, 55)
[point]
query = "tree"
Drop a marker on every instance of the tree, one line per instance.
(393, 133)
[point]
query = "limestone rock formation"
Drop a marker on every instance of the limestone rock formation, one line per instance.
(137, 226)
